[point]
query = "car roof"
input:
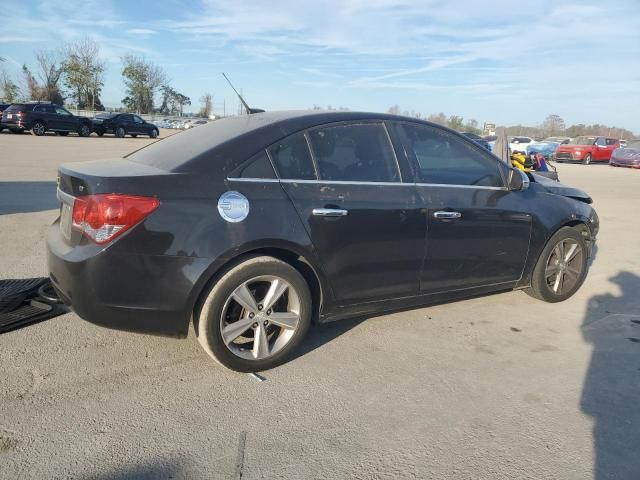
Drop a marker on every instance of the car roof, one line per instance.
(241, 136)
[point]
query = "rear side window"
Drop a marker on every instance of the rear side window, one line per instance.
(442, 158)
(292, 158)
(258, 166)
(359, 152)
(612, 141)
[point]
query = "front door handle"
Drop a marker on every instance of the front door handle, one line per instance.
(446, 215)
(330, 212)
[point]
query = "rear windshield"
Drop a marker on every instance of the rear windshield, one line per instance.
(106, 115)
(17, 107)
(173, 151)
(582, 141)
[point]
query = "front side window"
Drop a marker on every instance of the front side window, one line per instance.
(442, 158)
(601, 142)
(137, 119)
(292, 158)
(358, 152)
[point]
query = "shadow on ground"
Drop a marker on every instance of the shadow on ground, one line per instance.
(149, 471)
(612, 384)
(27, 197)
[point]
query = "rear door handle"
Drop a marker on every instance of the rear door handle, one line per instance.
(443, 214)
(330, 212)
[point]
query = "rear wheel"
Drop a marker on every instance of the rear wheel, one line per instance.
(100, 132)
(561, 268)
(133, 135)
(63, 134)
(255, 315)
(84, 131)
(120, 132)
(16, 130)
(38, 128)
(587, 159)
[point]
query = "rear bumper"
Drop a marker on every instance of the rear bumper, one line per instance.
(151, 294)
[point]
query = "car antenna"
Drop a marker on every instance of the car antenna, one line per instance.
(246, 106)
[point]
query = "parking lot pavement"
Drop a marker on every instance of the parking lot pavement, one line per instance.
(500, 386)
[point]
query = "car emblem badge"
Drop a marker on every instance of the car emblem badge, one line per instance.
(233, 206)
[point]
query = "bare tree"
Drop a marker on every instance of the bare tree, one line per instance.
(207, 105)
(49, 72)
(553, 125)
(9, 90)
(394, 109)
(439, 118)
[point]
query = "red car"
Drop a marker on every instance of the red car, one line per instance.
(587, 150)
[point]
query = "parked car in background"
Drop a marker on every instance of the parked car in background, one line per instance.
(519, 144)
(587, 149)
(195, 123)
(121, 124)
(42, 117)
(478, 139)
(546, 148)
(3, 107)
(280, 219)
(628, 156)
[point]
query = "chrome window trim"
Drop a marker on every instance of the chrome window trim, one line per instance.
(249, 179)
(344, 182)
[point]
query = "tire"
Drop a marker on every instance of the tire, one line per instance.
(220, 310)
(134, 135)
(84, 130)
(100, 132)
(154, 133)
(544, 280)
(587, 159)
(120, 132)
(16, 130)
(63, 134)
(38, 128)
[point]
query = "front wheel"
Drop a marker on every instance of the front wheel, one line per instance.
(120, 132)
(561, 268)
(587, 159)
(154, 133)
(255, 315)
(38, 128)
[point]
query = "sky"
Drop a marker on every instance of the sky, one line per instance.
(498, 61)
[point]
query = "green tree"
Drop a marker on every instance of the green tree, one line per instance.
(142, 79)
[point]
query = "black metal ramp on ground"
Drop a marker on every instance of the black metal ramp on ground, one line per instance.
(27, 301)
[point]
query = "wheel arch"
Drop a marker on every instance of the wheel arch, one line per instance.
(581, 223)
(288, 254)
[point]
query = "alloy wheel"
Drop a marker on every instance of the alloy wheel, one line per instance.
(564, 266)
(260, 317)
(38, 128)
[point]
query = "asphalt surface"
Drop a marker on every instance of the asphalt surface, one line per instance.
(498, 387)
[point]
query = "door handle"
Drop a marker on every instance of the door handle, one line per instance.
(330, 212)
(446, 215)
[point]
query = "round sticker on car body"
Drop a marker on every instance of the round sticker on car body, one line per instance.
(233, 206)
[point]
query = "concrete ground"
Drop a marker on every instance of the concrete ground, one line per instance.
(499, 387)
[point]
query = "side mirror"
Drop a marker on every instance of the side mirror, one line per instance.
(518, 180)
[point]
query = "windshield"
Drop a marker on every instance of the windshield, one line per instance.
(582, 141)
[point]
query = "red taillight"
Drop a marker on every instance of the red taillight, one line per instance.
(104, 217)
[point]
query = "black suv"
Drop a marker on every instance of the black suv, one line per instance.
(43, 117)
(121, 124)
